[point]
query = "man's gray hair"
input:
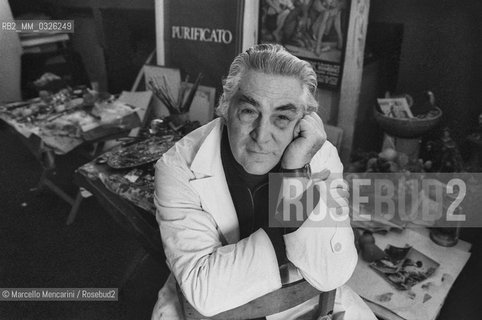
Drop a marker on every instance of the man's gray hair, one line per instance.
(270, 59)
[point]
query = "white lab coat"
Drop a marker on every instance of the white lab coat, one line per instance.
(199, 229)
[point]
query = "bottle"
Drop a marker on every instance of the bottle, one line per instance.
(446, 233)
(451, 159)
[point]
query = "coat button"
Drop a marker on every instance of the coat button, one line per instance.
(337, 247)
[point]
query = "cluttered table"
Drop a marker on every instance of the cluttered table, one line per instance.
(69, 118)
(55, 124)
(419, 288)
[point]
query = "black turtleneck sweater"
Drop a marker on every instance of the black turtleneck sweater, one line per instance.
(250, 195)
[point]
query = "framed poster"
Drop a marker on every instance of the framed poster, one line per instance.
(313, 30)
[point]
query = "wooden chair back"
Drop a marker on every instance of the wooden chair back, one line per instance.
(288, 296)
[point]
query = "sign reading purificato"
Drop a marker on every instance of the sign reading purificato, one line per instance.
(202, 34)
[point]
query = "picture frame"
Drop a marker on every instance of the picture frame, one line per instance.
(313, 30)
(395, 107)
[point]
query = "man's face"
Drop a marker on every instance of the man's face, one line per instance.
(262, 118)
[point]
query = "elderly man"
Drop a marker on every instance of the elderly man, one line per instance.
(212, 200)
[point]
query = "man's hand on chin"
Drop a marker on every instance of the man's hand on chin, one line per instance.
(308, 137)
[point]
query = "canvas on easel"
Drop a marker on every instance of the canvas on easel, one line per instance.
(202, 106)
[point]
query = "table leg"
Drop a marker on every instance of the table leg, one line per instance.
(48, 166)
(139, 258)
(75, 208)
(49, 184)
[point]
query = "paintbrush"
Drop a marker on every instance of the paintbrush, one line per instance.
(187, 104)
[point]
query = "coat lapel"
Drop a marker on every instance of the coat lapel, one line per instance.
(210, 183)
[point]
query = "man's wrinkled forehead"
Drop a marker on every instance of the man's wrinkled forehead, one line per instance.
(243, 96)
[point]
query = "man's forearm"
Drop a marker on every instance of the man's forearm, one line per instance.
(326, 257)
(242, 272)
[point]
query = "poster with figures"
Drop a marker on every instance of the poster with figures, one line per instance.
(313, 30)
